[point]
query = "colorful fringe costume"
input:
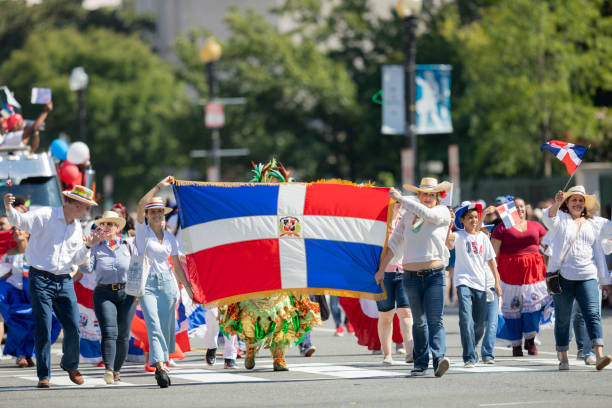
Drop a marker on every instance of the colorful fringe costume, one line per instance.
(274, 321)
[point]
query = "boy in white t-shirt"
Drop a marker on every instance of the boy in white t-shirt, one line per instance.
(475, 272)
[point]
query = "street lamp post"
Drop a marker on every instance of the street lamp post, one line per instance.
(78, 83)
(210, 53)
(408, 11)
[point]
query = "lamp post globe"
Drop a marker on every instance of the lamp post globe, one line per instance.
(407, 8)
(78, 79)
(211, 51)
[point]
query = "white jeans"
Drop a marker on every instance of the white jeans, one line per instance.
(212, 334)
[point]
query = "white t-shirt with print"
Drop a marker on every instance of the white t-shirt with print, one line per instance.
(472, 252)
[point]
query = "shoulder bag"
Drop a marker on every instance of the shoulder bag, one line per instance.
(138, 272)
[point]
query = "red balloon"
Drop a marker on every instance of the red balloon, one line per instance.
(69, 174)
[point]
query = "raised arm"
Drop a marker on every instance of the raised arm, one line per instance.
(32, 130)
(437, 215)
(552, 211)
(140, 215)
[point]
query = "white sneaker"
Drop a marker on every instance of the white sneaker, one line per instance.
(590, 360)
(490, 361)
(109, 378)
(172, 363)
(399, 348)
(468, 365)
(388, 360)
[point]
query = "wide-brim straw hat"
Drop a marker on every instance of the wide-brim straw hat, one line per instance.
(590, 202)
(82, 194)
(429, 185)
(157, 202)
(111, 216)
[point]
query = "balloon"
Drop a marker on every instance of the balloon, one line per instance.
(70, 174)
(78, 153)
(59, 149)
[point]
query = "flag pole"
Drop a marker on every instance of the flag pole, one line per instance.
(572, 175)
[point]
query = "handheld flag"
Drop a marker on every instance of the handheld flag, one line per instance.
(249, 240)
(570, 154)
(508, 214)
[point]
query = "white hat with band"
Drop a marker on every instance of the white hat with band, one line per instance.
(157, 202)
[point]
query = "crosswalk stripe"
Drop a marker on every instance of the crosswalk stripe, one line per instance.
(64, 381)
(202, 376)
(344, 371)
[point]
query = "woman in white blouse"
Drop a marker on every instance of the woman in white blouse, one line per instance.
(161, 292)
(420, 238)
(576, 252)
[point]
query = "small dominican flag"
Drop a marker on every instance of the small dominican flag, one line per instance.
(250, 240)
(570, 154)
(508, 214)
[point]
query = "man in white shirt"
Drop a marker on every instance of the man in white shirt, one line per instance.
(56, 243)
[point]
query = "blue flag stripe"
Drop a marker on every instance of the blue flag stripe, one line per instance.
(203, 203)
(342, 265)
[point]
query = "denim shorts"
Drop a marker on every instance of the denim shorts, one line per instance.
(395, 292)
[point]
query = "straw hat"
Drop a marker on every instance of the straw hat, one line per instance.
(111, 216)
(82, 194)
(157, 202)
(590, 201)
(429, 185)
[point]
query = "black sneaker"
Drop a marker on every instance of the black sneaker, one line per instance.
(161, 376)
(230, 363)
(417, 372)
(211, 356)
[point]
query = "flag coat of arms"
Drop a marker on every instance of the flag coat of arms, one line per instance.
(570, 154)
(508, 214)
(245, 240)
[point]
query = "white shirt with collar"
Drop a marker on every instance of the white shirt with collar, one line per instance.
(54, 246)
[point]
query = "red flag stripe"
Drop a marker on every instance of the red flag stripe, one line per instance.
(347, 201)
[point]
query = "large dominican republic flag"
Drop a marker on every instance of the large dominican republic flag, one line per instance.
(249, 240)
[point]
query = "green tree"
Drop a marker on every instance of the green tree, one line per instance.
(18, 19)
(531, 72)
(135, 106)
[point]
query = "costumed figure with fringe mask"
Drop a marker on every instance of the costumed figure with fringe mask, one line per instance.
(273, 322)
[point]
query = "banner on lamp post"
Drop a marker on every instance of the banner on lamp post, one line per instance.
(393, 102)
(432, 99)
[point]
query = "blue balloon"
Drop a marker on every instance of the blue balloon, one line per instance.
(59, 149)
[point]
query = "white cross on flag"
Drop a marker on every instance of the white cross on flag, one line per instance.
(509, 214)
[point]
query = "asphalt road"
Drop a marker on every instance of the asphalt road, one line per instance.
(339, 374)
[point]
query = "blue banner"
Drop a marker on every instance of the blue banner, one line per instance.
(433, 99)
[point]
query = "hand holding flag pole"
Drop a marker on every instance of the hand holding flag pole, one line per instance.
(570, 154)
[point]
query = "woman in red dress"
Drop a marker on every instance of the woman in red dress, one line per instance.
(525, 300)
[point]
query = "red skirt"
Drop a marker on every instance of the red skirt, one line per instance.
(521, 269)
(366, 328)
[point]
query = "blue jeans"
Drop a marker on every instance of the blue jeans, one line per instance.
(488, 342)
(587, 296)
(48, 294)
(336, 310)
(426, 296)
(158, 308)
(114, 311)
(396, 294)
(472, 320)
(581, 332)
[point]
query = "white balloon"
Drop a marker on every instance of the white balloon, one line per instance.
(78, 153)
